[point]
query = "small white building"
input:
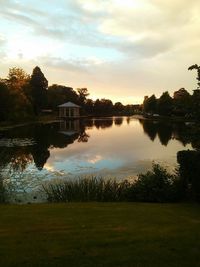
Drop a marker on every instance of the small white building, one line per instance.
(69, 110)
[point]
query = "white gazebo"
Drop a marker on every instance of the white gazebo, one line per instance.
(69, 110)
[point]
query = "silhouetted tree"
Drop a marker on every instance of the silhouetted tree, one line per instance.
(150, 104)
(196, 67)
(189, 169)
(89, 106)
(59, 94)
(165, 104)
(39, 86)
(118, 108)
(83, 93)
(4, 101)
(182, 102)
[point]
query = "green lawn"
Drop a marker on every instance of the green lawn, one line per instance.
(100, 234)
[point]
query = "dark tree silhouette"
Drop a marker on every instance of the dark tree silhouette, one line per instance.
(165, 104)
(196, 67)
(4, 101)
(39, 86)
(150, 104)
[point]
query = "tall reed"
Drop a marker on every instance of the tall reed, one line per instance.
(88, 189)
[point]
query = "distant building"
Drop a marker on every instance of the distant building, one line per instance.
(69, 110)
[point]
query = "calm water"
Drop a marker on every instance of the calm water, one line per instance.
(115, 147)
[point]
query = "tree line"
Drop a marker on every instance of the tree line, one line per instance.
(24, 96)
(181, 104)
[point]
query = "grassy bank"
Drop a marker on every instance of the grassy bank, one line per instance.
(100, 234)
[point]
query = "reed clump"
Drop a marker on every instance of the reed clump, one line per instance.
(88, 189)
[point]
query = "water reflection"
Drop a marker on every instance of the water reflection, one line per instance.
(119, 149)
(166, 131)
(45, 136)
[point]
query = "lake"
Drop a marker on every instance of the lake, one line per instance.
(119, 147)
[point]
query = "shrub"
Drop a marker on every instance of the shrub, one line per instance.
(157, 186)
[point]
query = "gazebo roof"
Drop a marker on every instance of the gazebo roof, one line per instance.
(69, 105)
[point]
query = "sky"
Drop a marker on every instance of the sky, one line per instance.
(118, 49)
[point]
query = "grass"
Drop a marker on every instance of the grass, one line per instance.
(100, 234)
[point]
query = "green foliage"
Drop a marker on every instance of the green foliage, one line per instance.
(19, 105)
(157, 186)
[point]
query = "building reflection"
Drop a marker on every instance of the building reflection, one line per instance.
(69, 127)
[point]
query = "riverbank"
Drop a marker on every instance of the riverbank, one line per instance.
(100, 234)
(41, 119)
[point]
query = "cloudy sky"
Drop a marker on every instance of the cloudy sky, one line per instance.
(118, 49)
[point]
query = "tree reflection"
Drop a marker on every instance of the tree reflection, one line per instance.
(184, 133)
(103, 123)
(46, 137)
(149, 128)
(118, 121)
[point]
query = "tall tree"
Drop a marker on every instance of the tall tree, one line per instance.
(19, 104)
(182, 102)
(196, 93)
(150, 104)
(39, 86)
(165, 104)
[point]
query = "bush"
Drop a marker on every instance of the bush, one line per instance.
(157, 186)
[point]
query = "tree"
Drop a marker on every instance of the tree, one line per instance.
(89, 106)
(196, 67)
(182, 102)
(83, 93)
(150, 104)
(118, 108)
(165, 104)
(39, 86)
(19, 104)
(103, 107)
(59, 94)
(4, 101)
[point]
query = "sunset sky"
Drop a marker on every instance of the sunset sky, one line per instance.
(118, 49)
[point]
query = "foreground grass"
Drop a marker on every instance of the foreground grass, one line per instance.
(100, 234)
